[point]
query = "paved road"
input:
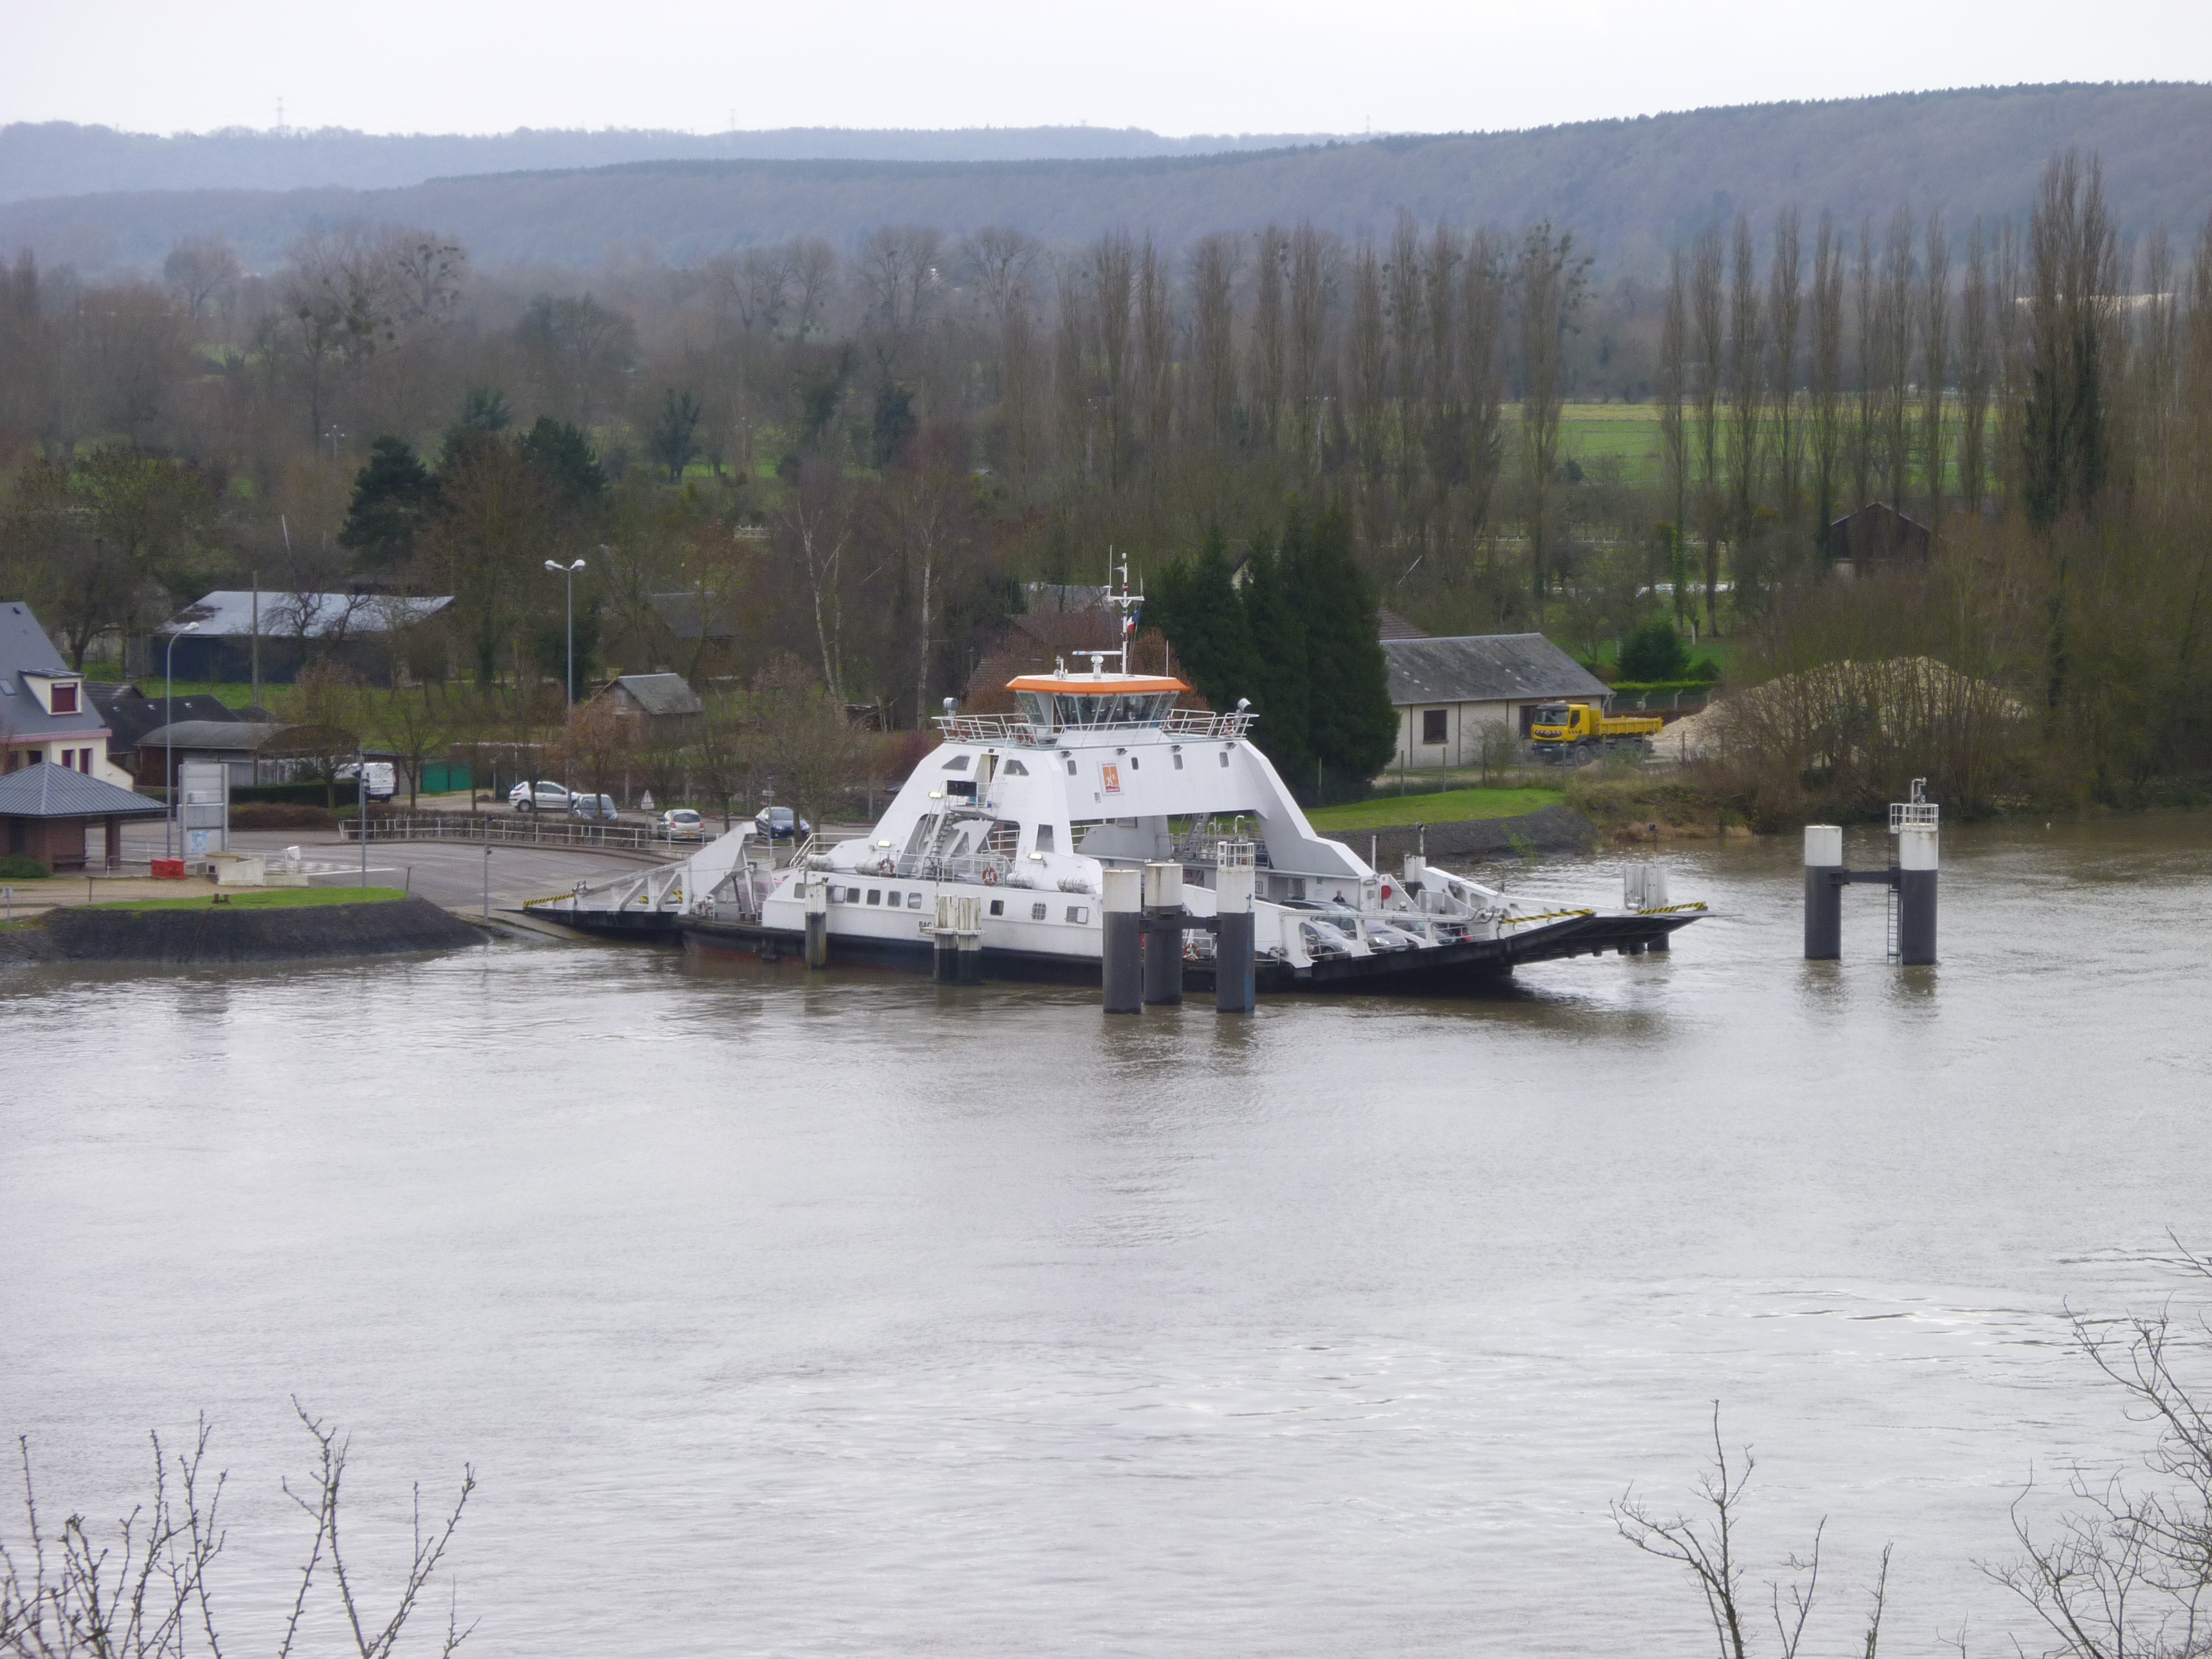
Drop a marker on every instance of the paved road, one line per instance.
(446, 872)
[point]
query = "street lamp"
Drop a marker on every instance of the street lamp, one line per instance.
(570, 572)
(169, 746)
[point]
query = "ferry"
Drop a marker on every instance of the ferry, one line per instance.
(1007, 830)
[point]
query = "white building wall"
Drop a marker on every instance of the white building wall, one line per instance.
(1463, 723)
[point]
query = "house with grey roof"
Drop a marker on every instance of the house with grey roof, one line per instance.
(665, 705)
(1449, 692)
(45, 713)
(219, 633)
(47, 811)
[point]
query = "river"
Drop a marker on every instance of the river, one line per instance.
(850, 1315)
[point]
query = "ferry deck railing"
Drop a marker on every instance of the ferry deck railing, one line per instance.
(1195, 724)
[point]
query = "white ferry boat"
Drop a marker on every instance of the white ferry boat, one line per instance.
(1007, 830)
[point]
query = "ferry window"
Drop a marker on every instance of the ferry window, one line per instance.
(913, 900)
(894, 898)
(957, 764)
(1178, 760)
(1036, 913)
(875, 895)
(1078, 913)
(1133, 763)
(1224, 757)
(1432, 724)
(1033, 708)
(1070, 767)
(1043, 838)
(1015, 769)
(997, 907)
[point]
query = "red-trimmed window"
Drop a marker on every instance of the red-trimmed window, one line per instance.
(65, 698)
(68, 759)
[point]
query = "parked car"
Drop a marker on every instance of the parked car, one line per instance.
(601, 807)
(539, 797)
(781, 823)
(680, 823)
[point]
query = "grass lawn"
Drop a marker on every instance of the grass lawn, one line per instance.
(1455, 806)
(267, 898)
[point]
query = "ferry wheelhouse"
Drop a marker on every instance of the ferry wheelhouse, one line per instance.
(1008, 826)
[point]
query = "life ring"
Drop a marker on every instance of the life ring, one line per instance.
(990, 877)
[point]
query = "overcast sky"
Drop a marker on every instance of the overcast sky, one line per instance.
(1176, 66)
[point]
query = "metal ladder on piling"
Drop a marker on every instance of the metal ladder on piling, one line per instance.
(1893, 948)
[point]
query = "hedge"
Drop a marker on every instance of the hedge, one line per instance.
(296, 794)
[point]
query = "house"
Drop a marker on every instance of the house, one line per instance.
(257, 751)
(1876, 533)
(357, 629)
(129, 715)
(665, 707)
(45, 713)
(1448, 690)
(46, 812)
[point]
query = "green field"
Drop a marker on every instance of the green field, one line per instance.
(1455, 806)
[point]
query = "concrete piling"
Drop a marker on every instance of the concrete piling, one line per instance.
(1915, 894)
(1121, 909)
(1162, 930)
(1824, 892)
(1233, 988)
(817, 924)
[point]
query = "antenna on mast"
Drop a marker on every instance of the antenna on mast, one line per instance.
(1129, 604)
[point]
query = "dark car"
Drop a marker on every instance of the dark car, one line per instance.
(781, 823)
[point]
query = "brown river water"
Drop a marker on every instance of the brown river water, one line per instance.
(848, 1314)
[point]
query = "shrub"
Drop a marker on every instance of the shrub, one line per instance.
(297, 795)
(14, 867)
(1653, 652)
(279, 815)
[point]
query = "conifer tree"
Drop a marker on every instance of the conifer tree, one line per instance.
(1195, 604)
(1351, 725)
(1277, 624)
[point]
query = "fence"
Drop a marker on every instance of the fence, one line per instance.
(529, 828)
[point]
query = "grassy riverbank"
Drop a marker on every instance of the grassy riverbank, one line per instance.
(1452, 807)
(266, 899)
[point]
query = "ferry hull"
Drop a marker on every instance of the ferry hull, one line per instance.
(1442, 969)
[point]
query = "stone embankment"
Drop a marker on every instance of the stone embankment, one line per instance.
(218, 935)
(1551, 832)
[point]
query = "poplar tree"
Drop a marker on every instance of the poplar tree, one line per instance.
(1349, 722)
(1277, 624)
(1195, 604)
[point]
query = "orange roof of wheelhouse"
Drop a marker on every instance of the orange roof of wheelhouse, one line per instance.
(1082, 685)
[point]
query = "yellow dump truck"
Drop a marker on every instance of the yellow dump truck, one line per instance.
(1578, 730)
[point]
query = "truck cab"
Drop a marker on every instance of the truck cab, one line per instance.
(1560, 730)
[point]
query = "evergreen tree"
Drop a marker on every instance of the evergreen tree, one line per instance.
(563, 456)
(1195, 604)
(393, 496)
(1277, 625)
(1351, 727)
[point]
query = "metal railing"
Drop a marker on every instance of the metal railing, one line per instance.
(527, 828)
(1190, 723)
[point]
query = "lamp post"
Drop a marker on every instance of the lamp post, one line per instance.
(568, 571)
(169, 737)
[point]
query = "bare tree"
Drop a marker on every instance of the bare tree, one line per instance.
(1710, 1551)
(1746, 361)
(1711, 338)
(1673, 376)
(1549, 282)
(146, 1590)
(1214, 346)
(1156, 354)
(1266, 373)
(2129, 1571)
(1825, 376)
(1894, 311)
(1784, 306)
(204, 273)
(1934, 311)
(1367, 370)
(901, 278)
(1869, 335)
(1482, 375)
(1975, 369)
(1111, 273)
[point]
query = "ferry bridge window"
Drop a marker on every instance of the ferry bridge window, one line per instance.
(1432, 725)
(1033, 708)
(1036, 913)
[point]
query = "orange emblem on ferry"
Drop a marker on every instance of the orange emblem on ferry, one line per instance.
(1112, 774)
